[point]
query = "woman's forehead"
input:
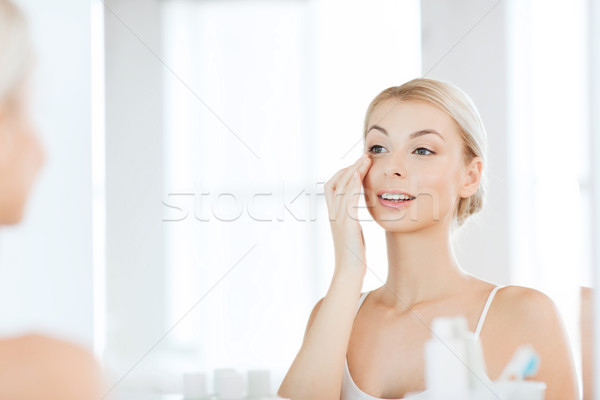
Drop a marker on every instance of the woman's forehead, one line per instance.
(396, 115)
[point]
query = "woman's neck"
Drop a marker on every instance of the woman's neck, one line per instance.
(421, 267)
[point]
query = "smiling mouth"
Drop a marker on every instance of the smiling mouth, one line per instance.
(396, 198)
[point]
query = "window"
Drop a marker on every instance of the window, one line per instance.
(550, 198)
(257, 119)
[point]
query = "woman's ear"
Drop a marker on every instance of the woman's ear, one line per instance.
(472, 177)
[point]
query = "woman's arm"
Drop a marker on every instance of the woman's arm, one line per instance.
(316, 372)
(534, 319)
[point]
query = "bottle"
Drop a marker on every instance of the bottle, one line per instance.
(478, 378)
(194, 386)
(259, 384)
(228, 384)
(446, 362)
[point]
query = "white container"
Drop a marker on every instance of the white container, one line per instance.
(259, 384)
(508, 390)
(520, 390)
(446, 372)
(194, 386)
(478, 378)
(228, 384)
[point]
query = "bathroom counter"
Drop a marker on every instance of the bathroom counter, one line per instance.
(145, 396)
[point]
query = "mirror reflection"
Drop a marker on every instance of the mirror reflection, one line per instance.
(217, 242)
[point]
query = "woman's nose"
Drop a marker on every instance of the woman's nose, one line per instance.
(394, 167)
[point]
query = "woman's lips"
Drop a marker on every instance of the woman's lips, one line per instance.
(395, 204)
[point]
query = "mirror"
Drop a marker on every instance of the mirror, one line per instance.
(217, 241)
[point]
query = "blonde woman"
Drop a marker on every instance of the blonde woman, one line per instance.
(423, 175)
(33, 366)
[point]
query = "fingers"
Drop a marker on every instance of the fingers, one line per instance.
(347, 181)
(358, 177)
(345, 178)
(364, 167)
(356, 184)
(331, 184)
(330, 188)
(337, 180)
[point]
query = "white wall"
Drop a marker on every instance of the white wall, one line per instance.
(594, 46)
(475, 61)
(46, 262)
(135, 276)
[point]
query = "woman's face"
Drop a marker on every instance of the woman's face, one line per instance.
(21, 156)
(416, 149)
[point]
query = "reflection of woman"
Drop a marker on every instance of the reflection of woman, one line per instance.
(424, 139)
(31, 366)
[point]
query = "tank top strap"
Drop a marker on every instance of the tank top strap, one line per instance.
(362, 299)
(485, 310)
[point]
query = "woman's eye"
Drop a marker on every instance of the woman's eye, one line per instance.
(373, 148)
(423, 151)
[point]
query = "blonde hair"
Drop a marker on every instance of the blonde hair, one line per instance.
(15, 48)
(461, 108)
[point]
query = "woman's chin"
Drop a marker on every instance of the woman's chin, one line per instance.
(395, 221)
(402, 222)
(398, 227)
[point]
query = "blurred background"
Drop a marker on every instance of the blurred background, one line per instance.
(180, 223)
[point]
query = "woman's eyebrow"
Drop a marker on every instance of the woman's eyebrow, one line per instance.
(412, 135)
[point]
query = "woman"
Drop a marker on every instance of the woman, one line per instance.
(423, 177)
(31, 366)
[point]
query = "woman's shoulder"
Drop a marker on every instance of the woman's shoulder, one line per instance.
(528, 313)
(35, 346)
(36, 339)
(528, 316)
(523, 301)
(49, 362)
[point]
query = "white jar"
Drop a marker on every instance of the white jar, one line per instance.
(446, 371)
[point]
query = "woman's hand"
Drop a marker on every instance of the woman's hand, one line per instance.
(328, 330)
(342, 193)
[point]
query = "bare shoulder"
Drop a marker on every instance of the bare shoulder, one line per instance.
(526, 304)
(514, 294)
(528, 316)
(59, 368)
(40, 345)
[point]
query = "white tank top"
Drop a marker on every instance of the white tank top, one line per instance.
(349, 389)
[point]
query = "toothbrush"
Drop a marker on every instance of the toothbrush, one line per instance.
(524, 363)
